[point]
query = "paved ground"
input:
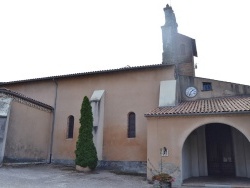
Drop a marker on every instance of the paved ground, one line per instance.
(217, 182)
(50, 176)
(56, 176)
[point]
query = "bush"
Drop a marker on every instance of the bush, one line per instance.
(86, 155)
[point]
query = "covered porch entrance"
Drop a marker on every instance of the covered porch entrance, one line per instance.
(215, 151)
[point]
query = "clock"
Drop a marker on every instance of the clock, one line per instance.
(191, 92)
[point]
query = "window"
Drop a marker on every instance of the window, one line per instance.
(131, 125)
(70, 126)
(207, 86)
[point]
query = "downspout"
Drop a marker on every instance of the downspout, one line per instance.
(53, 122)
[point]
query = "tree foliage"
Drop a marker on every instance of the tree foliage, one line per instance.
(86, 155)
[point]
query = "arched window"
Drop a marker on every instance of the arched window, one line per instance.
(131, 125)
(70, 126)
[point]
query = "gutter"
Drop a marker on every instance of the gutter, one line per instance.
(53, 123)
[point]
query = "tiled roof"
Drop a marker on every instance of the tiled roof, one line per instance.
(237, 104)
(127, 68)
(23, 97)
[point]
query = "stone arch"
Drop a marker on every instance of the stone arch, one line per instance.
(194, 152)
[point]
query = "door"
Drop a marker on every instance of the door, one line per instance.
(220, 159)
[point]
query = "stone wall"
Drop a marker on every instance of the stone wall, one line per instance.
(138, 167)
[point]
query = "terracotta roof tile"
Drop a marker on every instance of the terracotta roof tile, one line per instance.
(237, 104)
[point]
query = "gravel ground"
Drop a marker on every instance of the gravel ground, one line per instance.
(40, 176)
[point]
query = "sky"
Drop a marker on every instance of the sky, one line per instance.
(40, 38)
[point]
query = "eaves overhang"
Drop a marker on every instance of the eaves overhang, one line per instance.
(209, 106)
(109, 71)
(197, 114)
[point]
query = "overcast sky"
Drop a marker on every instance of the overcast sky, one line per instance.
(40, 38)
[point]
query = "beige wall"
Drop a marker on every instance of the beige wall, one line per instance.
(125, 91)
(42, 91)
(131, 91)
(28, 137)
(171, 132)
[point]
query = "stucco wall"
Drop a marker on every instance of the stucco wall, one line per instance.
(186, 60)
(241, 154)
(219, 88)
(125, 91)
(28, 137)
(42, 91)
(171, 132)
(132, 91)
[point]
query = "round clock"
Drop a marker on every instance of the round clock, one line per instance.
(191, 92)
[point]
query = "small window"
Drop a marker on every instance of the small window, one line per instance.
(131, 125)
(70, 126)
(207, 86)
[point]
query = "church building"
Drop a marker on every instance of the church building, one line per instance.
(158, 116)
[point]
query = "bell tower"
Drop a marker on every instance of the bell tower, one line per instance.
(178, 49)
(169, 34)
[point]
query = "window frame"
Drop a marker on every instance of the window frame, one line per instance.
(131, 132)
(207, 86)
(70, 127)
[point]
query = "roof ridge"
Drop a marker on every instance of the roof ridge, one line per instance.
(89, 73)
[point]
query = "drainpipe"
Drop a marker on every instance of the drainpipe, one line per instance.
(53, 122)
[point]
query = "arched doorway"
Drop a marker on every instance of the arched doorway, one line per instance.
(216, 149)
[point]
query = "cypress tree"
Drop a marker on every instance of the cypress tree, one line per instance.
(86, 155)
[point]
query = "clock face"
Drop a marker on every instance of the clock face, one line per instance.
(191, 92)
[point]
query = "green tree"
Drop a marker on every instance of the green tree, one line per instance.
(86, 155)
